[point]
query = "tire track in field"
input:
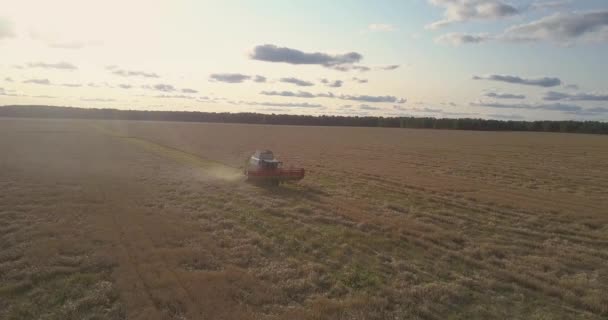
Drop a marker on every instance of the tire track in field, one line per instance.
(428, 243)
(131, 226)
(211, 168)
(189, 295)
(505, 217)
(420, 239)
(535, 282)
(549, 282)
(138, 224)
(504, 223)
(495, 197)
(137, 245)
(121, 236)
(440, 248)
(535, 285)
(495, 168)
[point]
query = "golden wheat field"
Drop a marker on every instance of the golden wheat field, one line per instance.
(152, 220)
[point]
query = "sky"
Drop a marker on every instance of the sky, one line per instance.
(491, 59)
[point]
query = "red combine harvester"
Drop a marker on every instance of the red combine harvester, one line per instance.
(263, 167)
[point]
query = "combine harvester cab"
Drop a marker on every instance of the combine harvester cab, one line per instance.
(263, 167)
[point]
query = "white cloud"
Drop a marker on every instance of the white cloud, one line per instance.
(283, 104)
(297, 82)
(457, 39)
(272, 53)
(541, 82)
(581, 96)
(161, 87)
(552, 107)
(550, 5)
(175, 96)
(465, 10)
(367, 98)
(71, 85)
(332, 84)
(299, 94)
(368, 107)
(329, 95)
(97, 99)
(562, 28)
(259, 78)
(506, 116)
(560, 107)
(496, 95)
(45, 82)
(350, 67)
(229, 77)
(131, 73)
(388, 67)
(58, 65)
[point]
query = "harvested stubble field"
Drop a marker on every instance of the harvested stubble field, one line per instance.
(151, 220)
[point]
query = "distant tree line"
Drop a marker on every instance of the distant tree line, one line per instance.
(594, 127)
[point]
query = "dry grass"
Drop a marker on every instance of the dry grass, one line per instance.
(145, 220)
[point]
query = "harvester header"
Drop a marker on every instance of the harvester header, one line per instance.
(262, 166)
